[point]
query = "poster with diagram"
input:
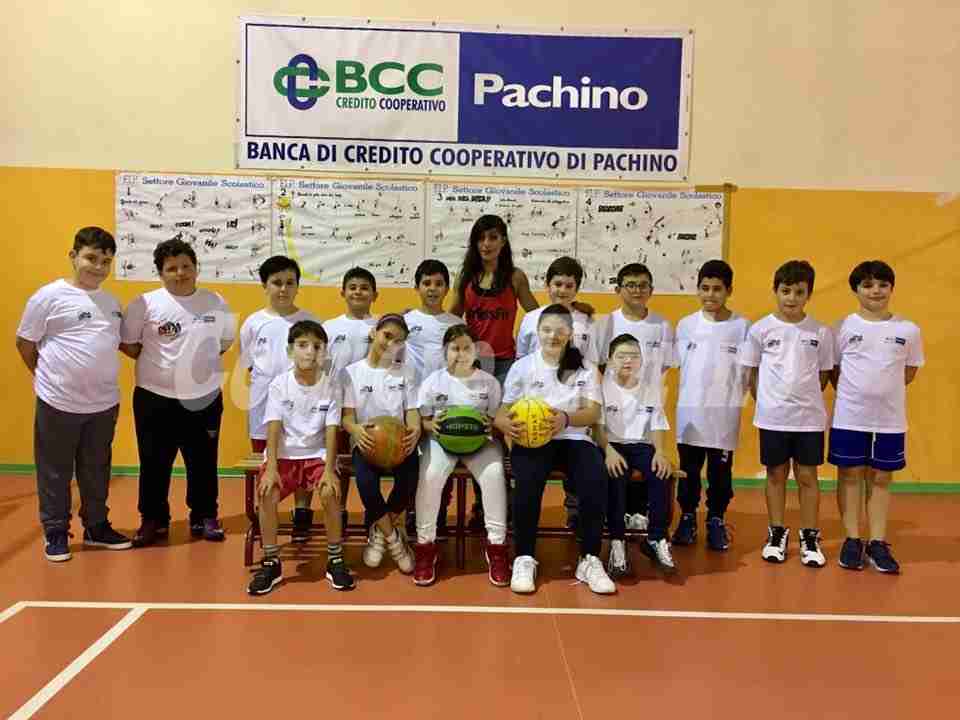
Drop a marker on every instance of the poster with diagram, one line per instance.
(330, 226)
(541, 223)
(672, 232)
(225, 219)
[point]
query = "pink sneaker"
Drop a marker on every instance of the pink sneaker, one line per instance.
(425, 567)
(498, 560)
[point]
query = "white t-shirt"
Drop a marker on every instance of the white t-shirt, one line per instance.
(584, 335)
(77, 334)
(305, 411)
(654, 332)
(531, 376)
(628, 415)
(711, 380)
(373, 392)
(442, 390)
(263, 349)
(791, 357)
(871, 393)
(181, 338)
(348, 340)
(424, 347)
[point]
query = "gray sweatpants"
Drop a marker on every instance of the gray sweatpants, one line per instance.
(64, 442)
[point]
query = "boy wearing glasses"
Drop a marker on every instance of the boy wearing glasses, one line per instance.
(655, 334)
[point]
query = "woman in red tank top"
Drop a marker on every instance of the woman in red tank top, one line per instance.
(488, 290)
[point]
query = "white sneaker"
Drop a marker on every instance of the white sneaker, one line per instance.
(524, 578)
(659, 553)
(810, 553)
(636, 522)
(776, 548)
(618, 563)
(400, 552)
(590, 570)
(373, 552)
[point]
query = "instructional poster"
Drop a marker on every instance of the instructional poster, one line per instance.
(671, 232)
(541, 223)
(330, 226)
(225, 219)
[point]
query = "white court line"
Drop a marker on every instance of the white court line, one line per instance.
(11, 611)
(68, 673)
(505, 610)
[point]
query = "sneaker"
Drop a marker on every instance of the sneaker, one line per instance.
(717, 537)
(590, 571)
(103, 535)
(213, 530)
(810, 553)
(302, 522)
(338, 575)
(524, 579)
(196, 528)
(659, 553)
(376, 545)
(400, 552)
(618, 563)
(498, 564)
(776, 548)
(686, 532)
(149, 532)
(57, 548)
(267, 577)
(637, 521)
(878, 554)
(851, 554)
(425, 563)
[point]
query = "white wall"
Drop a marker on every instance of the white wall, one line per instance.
(787, 93)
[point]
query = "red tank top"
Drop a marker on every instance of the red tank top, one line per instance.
(491, 316)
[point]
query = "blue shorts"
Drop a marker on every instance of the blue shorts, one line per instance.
(855, 448)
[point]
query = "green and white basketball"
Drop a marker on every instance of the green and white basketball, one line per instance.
(462, 430)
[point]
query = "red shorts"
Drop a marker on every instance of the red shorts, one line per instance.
(302, 474)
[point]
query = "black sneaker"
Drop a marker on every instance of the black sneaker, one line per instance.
(103, 535)
(717, 537)
(149, 532)
(878, 554)
(338, 575)
(851, 554)
(302, 522)
(196, 528)
(57, 547)
(686, 532)
(267, 577)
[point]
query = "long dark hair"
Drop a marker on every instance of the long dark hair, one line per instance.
(572, 358)
(472, 269)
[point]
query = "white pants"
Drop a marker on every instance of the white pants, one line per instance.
(486, 466)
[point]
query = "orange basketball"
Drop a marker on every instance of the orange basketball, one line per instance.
(387, 432)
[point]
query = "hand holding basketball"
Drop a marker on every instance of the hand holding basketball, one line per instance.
(362, 437)
(388, 441)
(558, 422)
(509, 425)
(536, 420)
(411, 437)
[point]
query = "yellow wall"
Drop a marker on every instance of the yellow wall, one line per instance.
(43, 208)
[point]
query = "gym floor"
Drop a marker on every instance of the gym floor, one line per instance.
(170, 629)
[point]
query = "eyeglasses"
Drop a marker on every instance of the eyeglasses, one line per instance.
(634, 287)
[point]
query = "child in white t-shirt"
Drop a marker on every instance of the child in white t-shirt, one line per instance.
(350, 333)
(877, 356)
(460, 383)
(424, 347)
(302, 421)
(376, 386)
(632, 438)
(709, 404)
(68, 339)
(264, 351)
(634, 288)
(557, 375)
(791, 356)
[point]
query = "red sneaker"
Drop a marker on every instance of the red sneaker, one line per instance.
(425, 566)
(498, 561)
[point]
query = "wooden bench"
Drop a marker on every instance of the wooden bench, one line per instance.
(250, 466)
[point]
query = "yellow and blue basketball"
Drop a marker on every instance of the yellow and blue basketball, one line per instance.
(534, 415)
(462, 430)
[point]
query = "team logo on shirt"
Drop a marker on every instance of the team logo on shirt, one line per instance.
(649, 409)
(416, 329)
(316, 409)
(208, 319)
(811, 342)
(169, 330)
(397, 386)
(854, 339)
(481, 314)
(441, 398)
(891, 340)
(581, 383)
(117, 314)
(612, 409)
(653, 344)
(84, 315)
(366, 388)
(538, 384)
(338, 339)
(691, 345)
(483, 395)
(262, 341)
(287, 404)
(772, 343)
(732, 349)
